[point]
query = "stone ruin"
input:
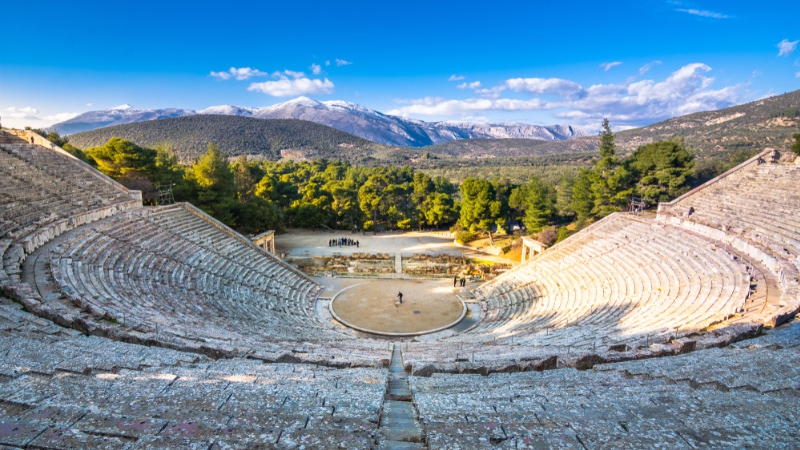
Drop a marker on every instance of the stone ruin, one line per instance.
(130, 327)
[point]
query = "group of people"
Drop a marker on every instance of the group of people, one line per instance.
(461, 281)
(343, 242)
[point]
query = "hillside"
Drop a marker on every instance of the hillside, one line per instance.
(501, 148)
(751, 127)
(266, 138)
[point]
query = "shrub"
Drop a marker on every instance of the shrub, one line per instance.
(563, 233)
(547, 236)
(462, 237)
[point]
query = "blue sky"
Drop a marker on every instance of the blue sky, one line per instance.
(636, 62)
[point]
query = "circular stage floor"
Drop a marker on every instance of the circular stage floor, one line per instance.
(427, 306)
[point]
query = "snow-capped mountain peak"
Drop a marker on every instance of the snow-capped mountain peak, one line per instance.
(349, 117)
(228, 110)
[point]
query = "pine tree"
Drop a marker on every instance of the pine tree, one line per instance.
(582, 196)
(610, 180)
(539, 206)
(214, 184)
(245, 184)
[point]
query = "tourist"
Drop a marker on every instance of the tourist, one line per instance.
(400, 297)
(455, 280)
(31, 140)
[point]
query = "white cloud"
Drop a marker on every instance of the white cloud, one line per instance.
(455, 77)
(558, 86)
(491, 92)
(607, 66)
(285, 87)
(60, 117)
(628, 103)
(327, 63)
(444, 107)
(88, 104)
(242, 73)
(711, 14)
(315, 69)
(291, 73)
(473, 85)
(28, 116)
(21, 113)
(685, 91)
(646, 68)
(797, 75)
(341, 62)
(786, 48)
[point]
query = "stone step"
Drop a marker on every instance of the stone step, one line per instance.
(410, 434)
(400, 427)
(400, 445)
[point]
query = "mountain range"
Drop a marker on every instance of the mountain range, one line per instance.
(345, 116)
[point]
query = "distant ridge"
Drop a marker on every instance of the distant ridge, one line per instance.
(348, 117)
(748, 127)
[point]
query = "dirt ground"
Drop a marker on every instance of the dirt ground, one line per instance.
(427, 304)
(300, 243)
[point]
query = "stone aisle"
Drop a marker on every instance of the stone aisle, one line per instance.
(400, 428)
(398, 263)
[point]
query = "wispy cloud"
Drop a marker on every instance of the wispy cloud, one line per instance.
(444, 107)
(473, 85)
(341, 62)
(558, 86)
(291, 73)
(315, 69)
(291, 83)
(797, 75)
(786, 48)
(455, 77)
(703, 13)
(646, 68)
(242, 73)
(609, 65)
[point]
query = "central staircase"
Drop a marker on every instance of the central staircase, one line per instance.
(400, 428)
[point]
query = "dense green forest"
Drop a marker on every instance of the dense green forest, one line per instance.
(256, 195)
(262, 138)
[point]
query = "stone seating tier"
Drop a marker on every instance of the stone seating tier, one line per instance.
(61, 389)
(703, 399)
(753, 210)
(168, 276)
(625, 282)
